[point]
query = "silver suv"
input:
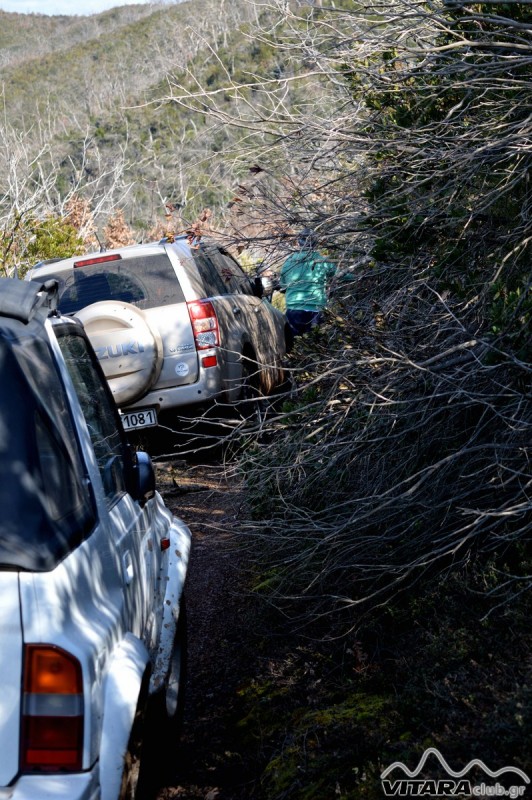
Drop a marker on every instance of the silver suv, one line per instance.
(173, 324)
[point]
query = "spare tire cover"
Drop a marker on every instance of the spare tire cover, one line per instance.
(128, 348)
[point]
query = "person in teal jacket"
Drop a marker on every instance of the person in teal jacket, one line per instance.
(304, 278)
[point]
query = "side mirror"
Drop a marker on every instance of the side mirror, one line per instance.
(144, 483)
(267, 286)
(258, 288)
(269, 282)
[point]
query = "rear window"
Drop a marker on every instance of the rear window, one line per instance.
(146, 281)
(47, 508)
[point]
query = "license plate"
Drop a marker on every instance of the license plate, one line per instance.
(142, 418)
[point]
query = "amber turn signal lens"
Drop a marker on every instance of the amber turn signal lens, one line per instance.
(51, 671)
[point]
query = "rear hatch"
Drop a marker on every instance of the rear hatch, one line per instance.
(11, 672)
(135, 314)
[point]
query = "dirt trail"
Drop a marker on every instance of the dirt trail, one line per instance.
(209, 762)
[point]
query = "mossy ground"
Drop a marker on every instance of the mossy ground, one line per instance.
(441, 669)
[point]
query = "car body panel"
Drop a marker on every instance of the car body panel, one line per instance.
(206, 389)
(180, 365)
(170, 587)
(10, 670)
(106, 600)
(82, 786)
(122, 688)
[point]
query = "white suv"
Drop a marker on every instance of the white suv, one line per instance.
(174, 324)
(92, 569)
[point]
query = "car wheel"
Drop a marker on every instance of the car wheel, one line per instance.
(157, 725)
(176, 681)
(283, 392)
(165, 713)
(252, 405)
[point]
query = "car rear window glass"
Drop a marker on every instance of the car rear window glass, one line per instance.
(230, 274)
(47, 507)
(214, 284)
(146, 281)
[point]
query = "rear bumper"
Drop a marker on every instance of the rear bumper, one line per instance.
(81, 786)
(208, 387)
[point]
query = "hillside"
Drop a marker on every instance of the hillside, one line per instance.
(77, 68)
(86, 94)
(25, 37)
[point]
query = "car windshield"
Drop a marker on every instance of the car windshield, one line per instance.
(146, 281)
(46, 505)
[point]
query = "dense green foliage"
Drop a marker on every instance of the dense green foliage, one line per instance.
(439, 668)
(463, 108)
(52, 237)
(35, 240)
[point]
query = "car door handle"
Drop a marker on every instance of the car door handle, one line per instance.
(127, 563)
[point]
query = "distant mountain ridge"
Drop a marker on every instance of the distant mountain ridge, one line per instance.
(92, 86)
(27, 36)
(63, 60)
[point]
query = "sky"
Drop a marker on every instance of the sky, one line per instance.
(79, 7)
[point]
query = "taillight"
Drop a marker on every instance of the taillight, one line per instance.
(204, 324)
(52, 710)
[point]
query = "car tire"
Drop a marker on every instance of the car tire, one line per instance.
(288, 339)
(157, 726)
(174, 691)
(166, 706)
(165, 716)
(252, 405)
(129, 348)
